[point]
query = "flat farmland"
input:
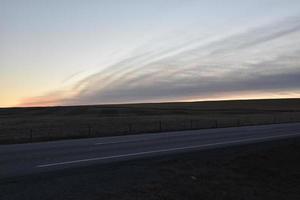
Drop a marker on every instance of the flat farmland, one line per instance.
(19, 125)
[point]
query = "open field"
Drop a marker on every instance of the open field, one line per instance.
(49, 123)
(268, 170)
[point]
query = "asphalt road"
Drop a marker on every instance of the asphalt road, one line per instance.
(25, 159)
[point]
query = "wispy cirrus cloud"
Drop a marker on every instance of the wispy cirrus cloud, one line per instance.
(259, 59)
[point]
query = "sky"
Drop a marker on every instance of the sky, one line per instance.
(73, 52)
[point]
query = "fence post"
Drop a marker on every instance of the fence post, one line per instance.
(160, 126)
(49, 132)
(130, 128)
(60, 130)
(238, 122)
(216, 123)
(90, 130)
(31, 135)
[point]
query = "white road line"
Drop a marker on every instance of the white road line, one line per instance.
(164, 150)
(117, 142)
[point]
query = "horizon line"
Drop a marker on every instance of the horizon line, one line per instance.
(155, 102)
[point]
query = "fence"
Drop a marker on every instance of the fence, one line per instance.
(103, 129)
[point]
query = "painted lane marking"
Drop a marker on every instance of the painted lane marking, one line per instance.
(117, 142)
(163, 150)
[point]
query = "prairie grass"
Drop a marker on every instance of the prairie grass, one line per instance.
(51, 123)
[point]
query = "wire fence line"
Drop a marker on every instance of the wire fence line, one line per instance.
(103, 129)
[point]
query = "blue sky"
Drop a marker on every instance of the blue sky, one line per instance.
(90, 52)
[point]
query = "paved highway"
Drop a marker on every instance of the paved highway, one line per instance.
(24, 159)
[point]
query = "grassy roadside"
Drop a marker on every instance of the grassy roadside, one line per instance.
(269, 170)
(52, 123)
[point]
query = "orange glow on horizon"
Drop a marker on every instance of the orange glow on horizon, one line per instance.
(56, 99)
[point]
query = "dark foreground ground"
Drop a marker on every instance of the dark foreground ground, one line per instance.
(269, 170)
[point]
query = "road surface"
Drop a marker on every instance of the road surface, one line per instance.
(25, 159)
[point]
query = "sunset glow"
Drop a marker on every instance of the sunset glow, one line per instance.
(103, 52)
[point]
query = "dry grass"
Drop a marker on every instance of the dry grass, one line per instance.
(36, 124)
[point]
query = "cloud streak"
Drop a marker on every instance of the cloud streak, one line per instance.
(262, 59)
